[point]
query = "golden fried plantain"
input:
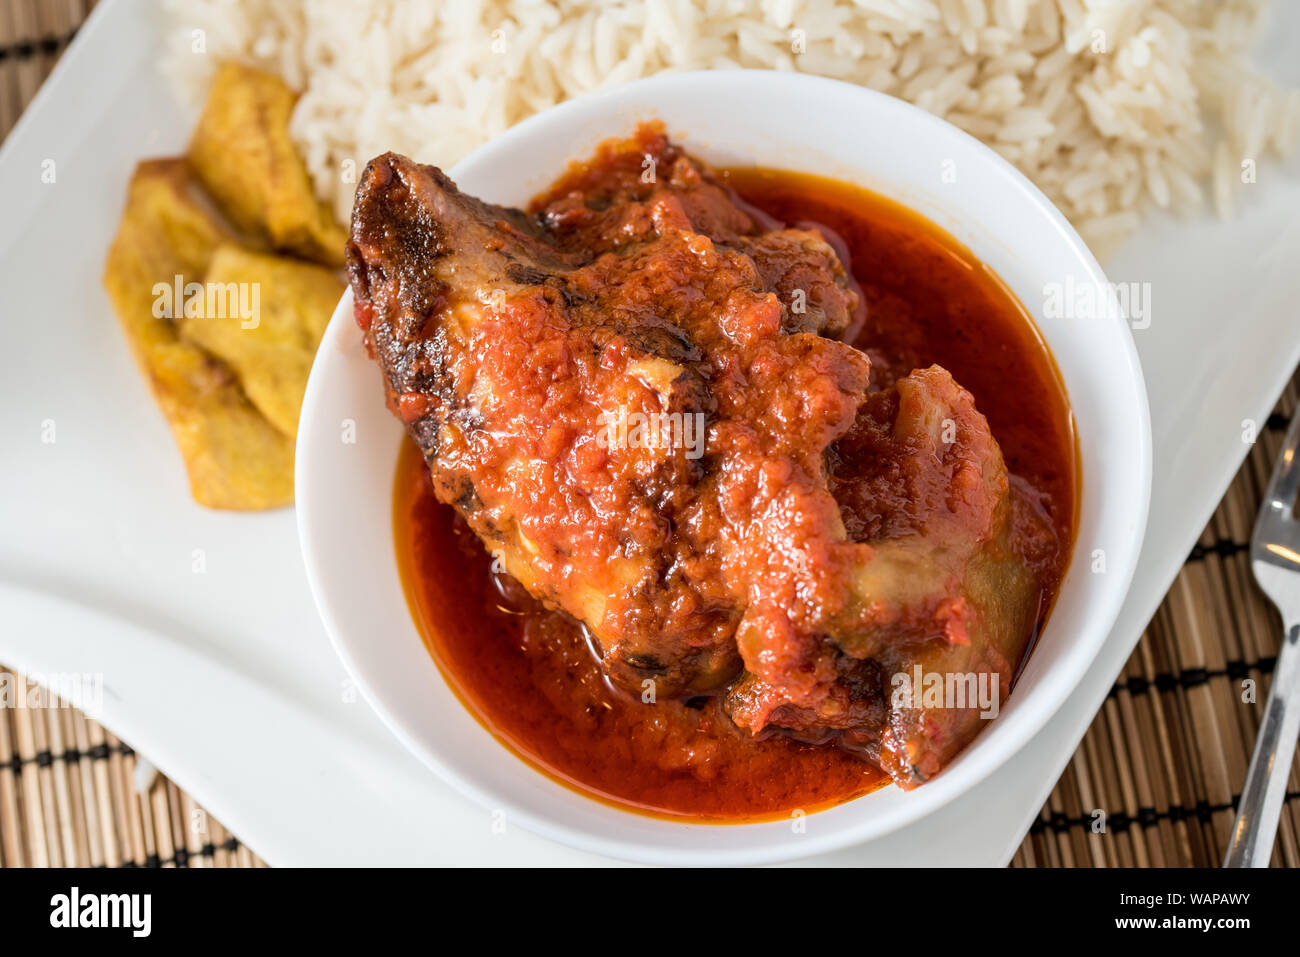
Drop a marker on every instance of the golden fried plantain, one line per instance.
(246, 160)
(270, 346)
(235, 458)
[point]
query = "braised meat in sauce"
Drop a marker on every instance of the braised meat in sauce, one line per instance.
(641, 396)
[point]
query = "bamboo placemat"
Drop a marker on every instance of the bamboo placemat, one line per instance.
(1162, 765)
(1153, 783)
(73, 795)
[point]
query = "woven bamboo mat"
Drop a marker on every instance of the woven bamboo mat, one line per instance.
(1160, 768)
(1165, 758)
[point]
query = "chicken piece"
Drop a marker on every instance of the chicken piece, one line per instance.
(271, 344)
(814, 542)
(167, 237)
(920, 479)
(510, 355)
(242, 153)
(605, 204)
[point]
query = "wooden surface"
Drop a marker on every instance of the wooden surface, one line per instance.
(1154, 782)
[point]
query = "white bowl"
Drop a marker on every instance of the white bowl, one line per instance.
(734, 118)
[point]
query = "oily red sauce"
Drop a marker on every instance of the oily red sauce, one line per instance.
(530, 675)
(929, 300)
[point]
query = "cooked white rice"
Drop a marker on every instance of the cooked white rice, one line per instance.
(1110, 106)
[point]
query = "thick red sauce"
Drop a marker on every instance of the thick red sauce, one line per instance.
(530, 675)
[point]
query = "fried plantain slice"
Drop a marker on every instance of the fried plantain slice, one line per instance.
(274, 313)
(246, 160)
(235, 458)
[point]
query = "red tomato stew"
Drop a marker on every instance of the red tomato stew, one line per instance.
(685, 730)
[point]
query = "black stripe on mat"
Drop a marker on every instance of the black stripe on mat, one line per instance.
(1192, 677)
(43, 759)
(183, 857)
(1224, 548)
(1059, 823)
(41, 46)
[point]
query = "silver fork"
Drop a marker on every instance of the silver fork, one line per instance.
(1275, 559)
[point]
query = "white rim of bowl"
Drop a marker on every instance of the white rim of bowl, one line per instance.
(1035, 709)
